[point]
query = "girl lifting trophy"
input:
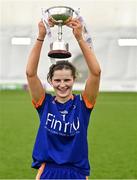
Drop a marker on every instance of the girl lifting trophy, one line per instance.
(61, 147)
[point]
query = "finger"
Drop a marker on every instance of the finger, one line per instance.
(40, 23)
(50, 21)
(75, 19)
(51, 24)
(73, 23)
(68, 20)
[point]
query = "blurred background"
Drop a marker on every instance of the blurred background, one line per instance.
(112, 132)
(111, 23)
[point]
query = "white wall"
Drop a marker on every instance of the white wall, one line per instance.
(107, 21)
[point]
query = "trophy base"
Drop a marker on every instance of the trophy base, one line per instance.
(59, 54)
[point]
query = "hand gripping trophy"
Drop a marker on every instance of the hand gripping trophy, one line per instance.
(59, 15)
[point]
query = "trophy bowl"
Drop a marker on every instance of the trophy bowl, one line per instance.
(59, 15)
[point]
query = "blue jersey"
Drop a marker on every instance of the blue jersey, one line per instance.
(62, 134)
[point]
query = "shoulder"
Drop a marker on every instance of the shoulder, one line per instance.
(88, 103)
(42, 100)
(84, 99)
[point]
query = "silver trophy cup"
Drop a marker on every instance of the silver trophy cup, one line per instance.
(59, 15)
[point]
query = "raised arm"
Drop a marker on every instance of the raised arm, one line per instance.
(92, 83)
(35, 86)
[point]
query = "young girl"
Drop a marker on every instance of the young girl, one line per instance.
(61, 149)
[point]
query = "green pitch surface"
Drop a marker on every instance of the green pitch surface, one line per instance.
(112, 136)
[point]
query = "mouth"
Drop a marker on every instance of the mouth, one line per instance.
(62, 91)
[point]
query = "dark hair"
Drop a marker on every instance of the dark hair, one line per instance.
(59, 66)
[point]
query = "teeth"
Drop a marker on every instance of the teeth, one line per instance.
(63, 90)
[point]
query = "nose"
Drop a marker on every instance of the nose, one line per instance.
(62, 84)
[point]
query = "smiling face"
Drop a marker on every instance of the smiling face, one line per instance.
(62, 82)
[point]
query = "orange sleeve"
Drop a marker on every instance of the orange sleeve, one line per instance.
(39, 103)
(88, 104)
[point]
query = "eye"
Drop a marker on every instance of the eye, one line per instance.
(67, 80)
(57, 80)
